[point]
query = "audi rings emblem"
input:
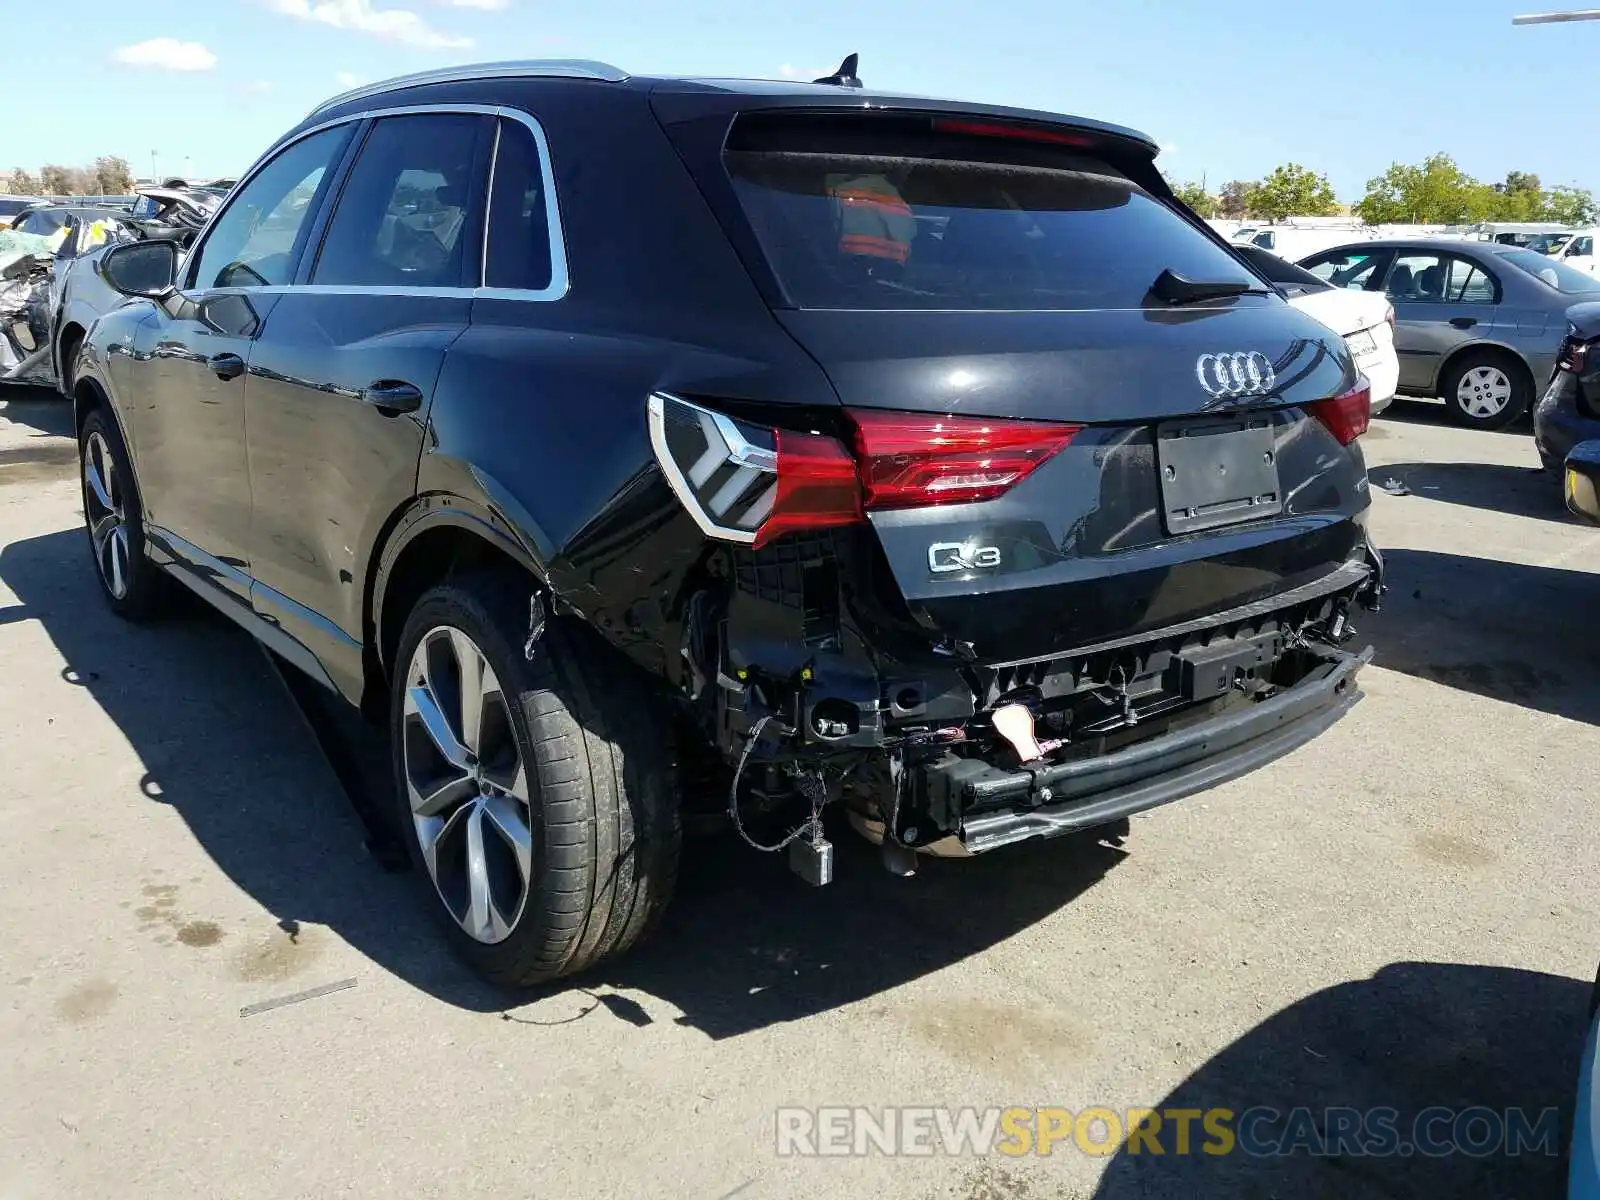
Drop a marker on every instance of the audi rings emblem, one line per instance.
(1239, 374)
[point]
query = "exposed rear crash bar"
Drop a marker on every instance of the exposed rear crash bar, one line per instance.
(1069, 796)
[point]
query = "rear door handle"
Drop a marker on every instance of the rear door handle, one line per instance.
(392, 397)
(226, 366)
(1463, 322)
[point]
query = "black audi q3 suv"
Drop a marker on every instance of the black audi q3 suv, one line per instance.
(634, 449)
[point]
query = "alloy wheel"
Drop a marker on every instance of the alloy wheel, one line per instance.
(1484, 392)
(104, 507)
(466, 784)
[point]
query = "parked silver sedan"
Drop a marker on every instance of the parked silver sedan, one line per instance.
(1476, 323)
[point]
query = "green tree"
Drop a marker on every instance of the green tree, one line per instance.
(112, 176)
(56, 180)
(1233, 200)
(1521, 181)
(1292, 191)
(1197, 198)
(1436, 191)
(22, 183)
(1570, 206)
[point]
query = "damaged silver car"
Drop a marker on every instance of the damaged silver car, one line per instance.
(51, 291)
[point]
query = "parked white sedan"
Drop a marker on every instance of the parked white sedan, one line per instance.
(1365, 320)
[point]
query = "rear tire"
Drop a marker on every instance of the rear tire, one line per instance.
(68, 357)
(543, 814)
(1486, 389)
(113, 517)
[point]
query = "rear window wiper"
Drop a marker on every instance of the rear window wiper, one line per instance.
(1176, 289)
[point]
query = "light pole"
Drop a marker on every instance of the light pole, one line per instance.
(1556, 18)
(155, 176)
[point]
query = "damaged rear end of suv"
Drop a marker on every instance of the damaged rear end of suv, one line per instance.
(647, 453)
(1083, 532)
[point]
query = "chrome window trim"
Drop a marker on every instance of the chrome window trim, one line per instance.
(547, 68)
(559, 280)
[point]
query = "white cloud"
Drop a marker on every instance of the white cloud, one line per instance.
(806, 73)
(166, 54)
(348, 79)
(396, 24)
(484, 5)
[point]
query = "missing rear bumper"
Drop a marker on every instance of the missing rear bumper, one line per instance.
(998, 806)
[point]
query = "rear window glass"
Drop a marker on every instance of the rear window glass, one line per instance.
(1565, 279)
(943, 222)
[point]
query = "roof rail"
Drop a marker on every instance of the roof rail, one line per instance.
(549, 68)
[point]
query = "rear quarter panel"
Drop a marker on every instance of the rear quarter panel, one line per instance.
(539, 417)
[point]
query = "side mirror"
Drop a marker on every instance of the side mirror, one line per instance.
(1581, 481)
(141, 268)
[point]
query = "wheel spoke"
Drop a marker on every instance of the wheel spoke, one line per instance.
(483, 920)
(506, 815)
(422, 701)
(475, 677)
(432, 831)
(93, 477)
(439, 797)
(100, 532)
(118, 551)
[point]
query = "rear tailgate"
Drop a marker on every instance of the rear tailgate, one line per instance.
(963, 270)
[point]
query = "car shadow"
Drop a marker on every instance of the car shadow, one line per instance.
(1495, 487)
(1415, 410)
(744, 945)
(1510, 631)
(1414, 1036)
(40, 409)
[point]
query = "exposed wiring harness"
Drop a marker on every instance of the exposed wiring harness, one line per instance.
(805, 827)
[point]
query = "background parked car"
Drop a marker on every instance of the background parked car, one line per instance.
(1476, 323)
(45, 219)
(1569, 411)
(1365, 320)
(43, 317)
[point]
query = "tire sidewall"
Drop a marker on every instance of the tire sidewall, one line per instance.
(1521, 390)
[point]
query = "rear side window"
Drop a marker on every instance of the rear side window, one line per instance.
(519, 217)
(1567, 280)
(406, 215)
(891, 213)
(1468, 283)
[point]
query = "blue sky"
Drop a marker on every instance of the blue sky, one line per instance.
(1342, 86)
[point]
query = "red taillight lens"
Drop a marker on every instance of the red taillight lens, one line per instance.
(752, 483)
(915, 460)
(1016, 133)
(816, 488)
(1346, 416)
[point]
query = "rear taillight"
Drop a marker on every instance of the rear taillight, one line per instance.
(817, 486)
(917, 460)
(1573, 355)
(750, 483)
(1346, 416)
